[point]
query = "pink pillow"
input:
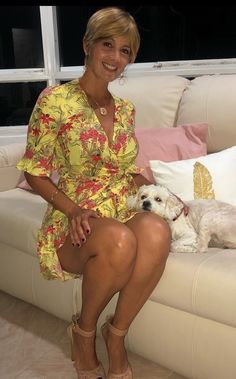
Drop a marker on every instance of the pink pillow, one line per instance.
(25, 185)
(170, 144)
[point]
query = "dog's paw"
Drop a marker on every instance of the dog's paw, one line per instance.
(201, 251)
(202, 247)
(179, 248)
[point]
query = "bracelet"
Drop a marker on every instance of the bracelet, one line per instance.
(54, 194)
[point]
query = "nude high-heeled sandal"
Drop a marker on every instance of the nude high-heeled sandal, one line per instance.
(96, 373)
(127, 374)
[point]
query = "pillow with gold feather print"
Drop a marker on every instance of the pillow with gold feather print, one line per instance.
(212, 176)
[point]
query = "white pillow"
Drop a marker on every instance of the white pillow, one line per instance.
(206, 177)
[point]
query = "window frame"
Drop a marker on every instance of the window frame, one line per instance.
(52, 73)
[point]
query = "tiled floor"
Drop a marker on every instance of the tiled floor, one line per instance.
(34, 345)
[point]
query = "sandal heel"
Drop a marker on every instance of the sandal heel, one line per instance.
(96, 373)
(127, 374)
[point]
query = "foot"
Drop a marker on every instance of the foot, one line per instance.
(84, 353)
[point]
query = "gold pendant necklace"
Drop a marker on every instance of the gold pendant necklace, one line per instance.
(103, 111)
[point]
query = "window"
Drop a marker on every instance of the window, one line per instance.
(169, 32)
(42, 45)
(17, 101)
(20, 37)
(174, 32)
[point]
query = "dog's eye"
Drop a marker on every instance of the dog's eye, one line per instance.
(143, 197)
(158, 199)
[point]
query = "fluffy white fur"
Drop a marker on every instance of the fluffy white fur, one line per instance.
(208, 221)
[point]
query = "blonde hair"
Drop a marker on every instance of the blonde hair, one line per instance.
(111, 22)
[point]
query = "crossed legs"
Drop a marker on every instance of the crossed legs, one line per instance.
(128, 259)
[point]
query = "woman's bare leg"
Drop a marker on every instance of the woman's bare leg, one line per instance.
(131, 261)
(153, 243)
(106, 264)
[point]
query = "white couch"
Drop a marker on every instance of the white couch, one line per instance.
(189, 322)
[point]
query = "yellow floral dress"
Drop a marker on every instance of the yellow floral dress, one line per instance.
(64, 134)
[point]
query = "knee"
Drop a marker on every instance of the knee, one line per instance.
(121, 247)
(157, 235)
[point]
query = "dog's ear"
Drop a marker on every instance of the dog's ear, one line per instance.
(131, 201)
(143, 187)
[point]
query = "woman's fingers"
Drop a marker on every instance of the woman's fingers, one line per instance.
(80, 227)
(75, 238)
(85, 220)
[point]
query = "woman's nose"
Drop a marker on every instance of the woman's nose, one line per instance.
(116, 55)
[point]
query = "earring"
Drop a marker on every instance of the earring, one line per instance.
(85, 62)
(122, 78)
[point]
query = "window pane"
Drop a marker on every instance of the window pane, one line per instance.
(17, 101)
(168, 31)
(20, 37)
(72, 22)
(185, 32)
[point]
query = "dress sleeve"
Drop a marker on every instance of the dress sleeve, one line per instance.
(42, 134)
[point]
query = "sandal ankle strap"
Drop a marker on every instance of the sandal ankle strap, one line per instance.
(77, 329)
(114, 330)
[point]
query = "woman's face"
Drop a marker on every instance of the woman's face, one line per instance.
(109, 57)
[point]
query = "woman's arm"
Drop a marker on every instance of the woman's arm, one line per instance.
(45, 188)
(78, 217)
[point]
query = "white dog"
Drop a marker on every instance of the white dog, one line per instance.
(207, 221)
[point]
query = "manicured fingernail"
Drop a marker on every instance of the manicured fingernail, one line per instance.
(83, 239)
(73, 244)
(78, 244)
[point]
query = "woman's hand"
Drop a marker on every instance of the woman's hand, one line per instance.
(79, 224)
(186, 209)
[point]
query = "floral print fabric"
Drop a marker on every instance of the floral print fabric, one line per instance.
(64, 134)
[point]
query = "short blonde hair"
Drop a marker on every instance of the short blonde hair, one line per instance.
(112, 22)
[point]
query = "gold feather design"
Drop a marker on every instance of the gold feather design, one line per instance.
(202, 182)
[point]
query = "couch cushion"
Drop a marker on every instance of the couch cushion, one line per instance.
(211, 99)
(202, 284)
(20, 218)
(11, 153)
(9, 156)
(156, 98)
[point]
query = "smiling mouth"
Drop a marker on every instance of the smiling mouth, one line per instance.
(110, 67)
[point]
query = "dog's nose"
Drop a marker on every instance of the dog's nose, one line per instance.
(146, 205)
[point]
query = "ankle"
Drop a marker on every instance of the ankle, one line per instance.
(114, 339)
(78, 328)
(113, 328)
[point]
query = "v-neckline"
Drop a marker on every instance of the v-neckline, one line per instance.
(110, 142)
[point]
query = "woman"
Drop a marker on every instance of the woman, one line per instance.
(87, 134)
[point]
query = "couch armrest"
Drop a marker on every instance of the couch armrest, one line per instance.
(10, 176)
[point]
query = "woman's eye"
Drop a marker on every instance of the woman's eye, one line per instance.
(158, 199)
(126, 51)
(107, 44)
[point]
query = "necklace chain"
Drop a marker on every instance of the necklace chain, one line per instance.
(102, 109)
